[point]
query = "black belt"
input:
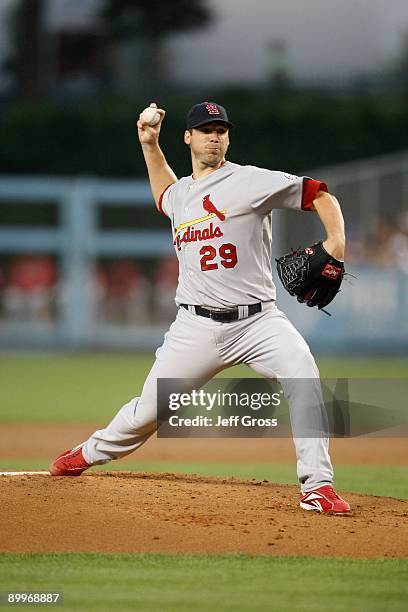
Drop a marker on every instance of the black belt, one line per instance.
(223, 315)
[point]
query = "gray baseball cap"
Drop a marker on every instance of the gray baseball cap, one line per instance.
(207, 112)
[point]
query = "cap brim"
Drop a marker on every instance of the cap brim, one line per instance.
(200, 123)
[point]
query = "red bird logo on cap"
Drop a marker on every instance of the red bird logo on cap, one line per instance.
(210, 208)
(212, 109)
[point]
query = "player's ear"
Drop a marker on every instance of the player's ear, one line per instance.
(187, 137)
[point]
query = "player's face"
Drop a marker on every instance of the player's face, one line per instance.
(208, 143)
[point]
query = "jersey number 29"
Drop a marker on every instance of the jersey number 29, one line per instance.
(227, 252)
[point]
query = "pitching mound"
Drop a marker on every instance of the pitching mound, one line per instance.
(170, 513)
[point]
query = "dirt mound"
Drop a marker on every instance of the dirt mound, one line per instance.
(170, 513)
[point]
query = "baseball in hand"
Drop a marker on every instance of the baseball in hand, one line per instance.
(150, 116)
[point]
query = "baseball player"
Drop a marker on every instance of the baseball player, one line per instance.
(221, 222)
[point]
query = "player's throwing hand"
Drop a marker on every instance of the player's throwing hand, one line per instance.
(149, 134)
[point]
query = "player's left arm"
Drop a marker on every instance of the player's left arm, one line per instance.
(329, 211)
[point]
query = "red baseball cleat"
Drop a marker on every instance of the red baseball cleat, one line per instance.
(69, 463)
(324, 499)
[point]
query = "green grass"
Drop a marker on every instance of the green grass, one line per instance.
(390, 481)
(369, 367)
(200, 583)
(63, 387)
(88, 387)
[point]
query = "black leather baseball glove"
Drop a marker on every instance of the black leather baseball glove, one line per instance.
(312, 275)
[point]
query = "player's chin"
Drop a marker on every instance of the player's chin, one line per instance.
(213, 159)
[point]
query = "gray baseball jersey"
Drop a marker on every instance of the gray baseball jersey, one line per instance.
(222, 231)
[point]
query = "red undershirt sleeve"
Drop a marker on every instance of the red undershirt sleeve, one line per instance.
(160, 202)
(309, 192)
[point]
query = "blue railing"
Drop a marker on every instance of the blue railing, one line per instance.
(77, 241)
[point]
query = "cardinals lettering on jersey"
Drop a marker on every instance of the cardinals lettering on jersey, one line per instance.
(197, 235)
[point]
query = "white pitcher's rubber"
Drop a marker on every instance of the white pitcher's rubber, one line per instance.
(23, 473)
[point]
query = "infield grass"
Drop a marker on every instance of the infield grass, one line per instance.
(90, 387)
(202, 583)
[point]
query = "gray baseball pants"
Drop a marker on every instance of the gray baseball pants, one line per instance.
(197, 347)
